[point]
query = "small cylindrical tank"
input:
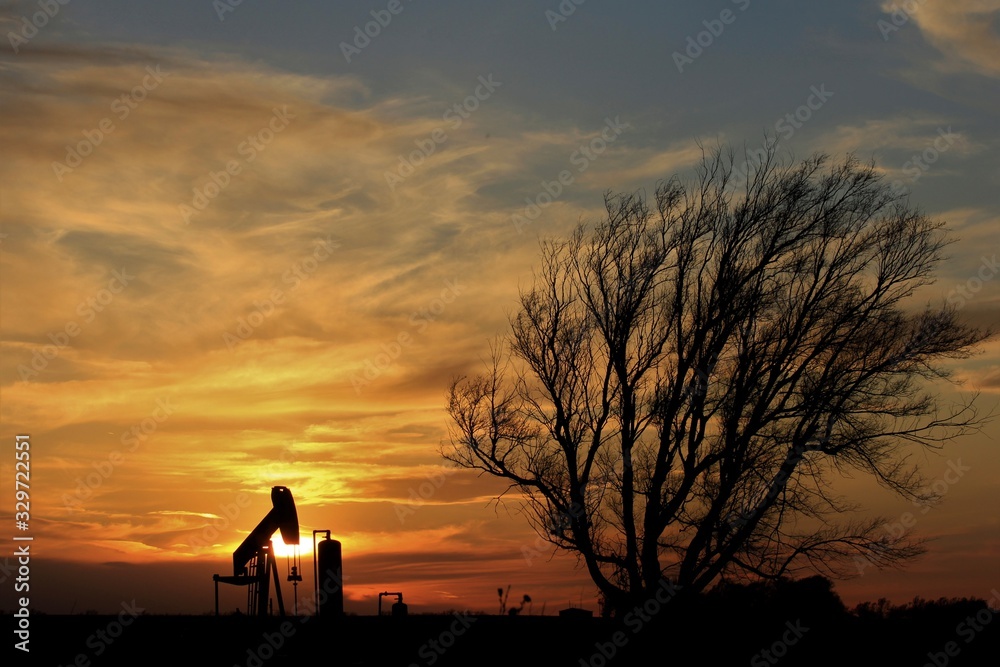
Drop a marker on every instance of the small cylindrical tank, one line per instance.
(331, 578)
(399, 608)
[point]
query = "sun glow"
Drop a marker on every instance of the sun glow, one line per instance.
(282, 550)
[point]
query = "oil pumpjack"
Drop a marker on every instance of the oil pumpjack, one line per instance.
(254, 560)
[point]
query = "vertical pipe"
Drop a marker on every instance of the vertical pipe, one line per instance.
(316, 571)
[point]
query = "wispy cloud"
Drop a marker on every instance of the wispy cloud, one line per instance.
(963, 31)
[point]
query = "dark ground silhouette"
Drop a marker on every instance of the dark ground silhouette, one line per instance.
(787, 623)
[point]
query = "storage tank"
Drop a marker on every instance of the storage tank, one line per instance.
(399, 608)
(331, 578)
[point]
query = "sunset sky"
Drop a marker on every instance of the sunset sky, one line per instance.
(246, 245)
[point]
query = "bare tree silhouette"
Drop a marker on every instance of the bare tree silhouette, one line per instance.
(682, 384)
